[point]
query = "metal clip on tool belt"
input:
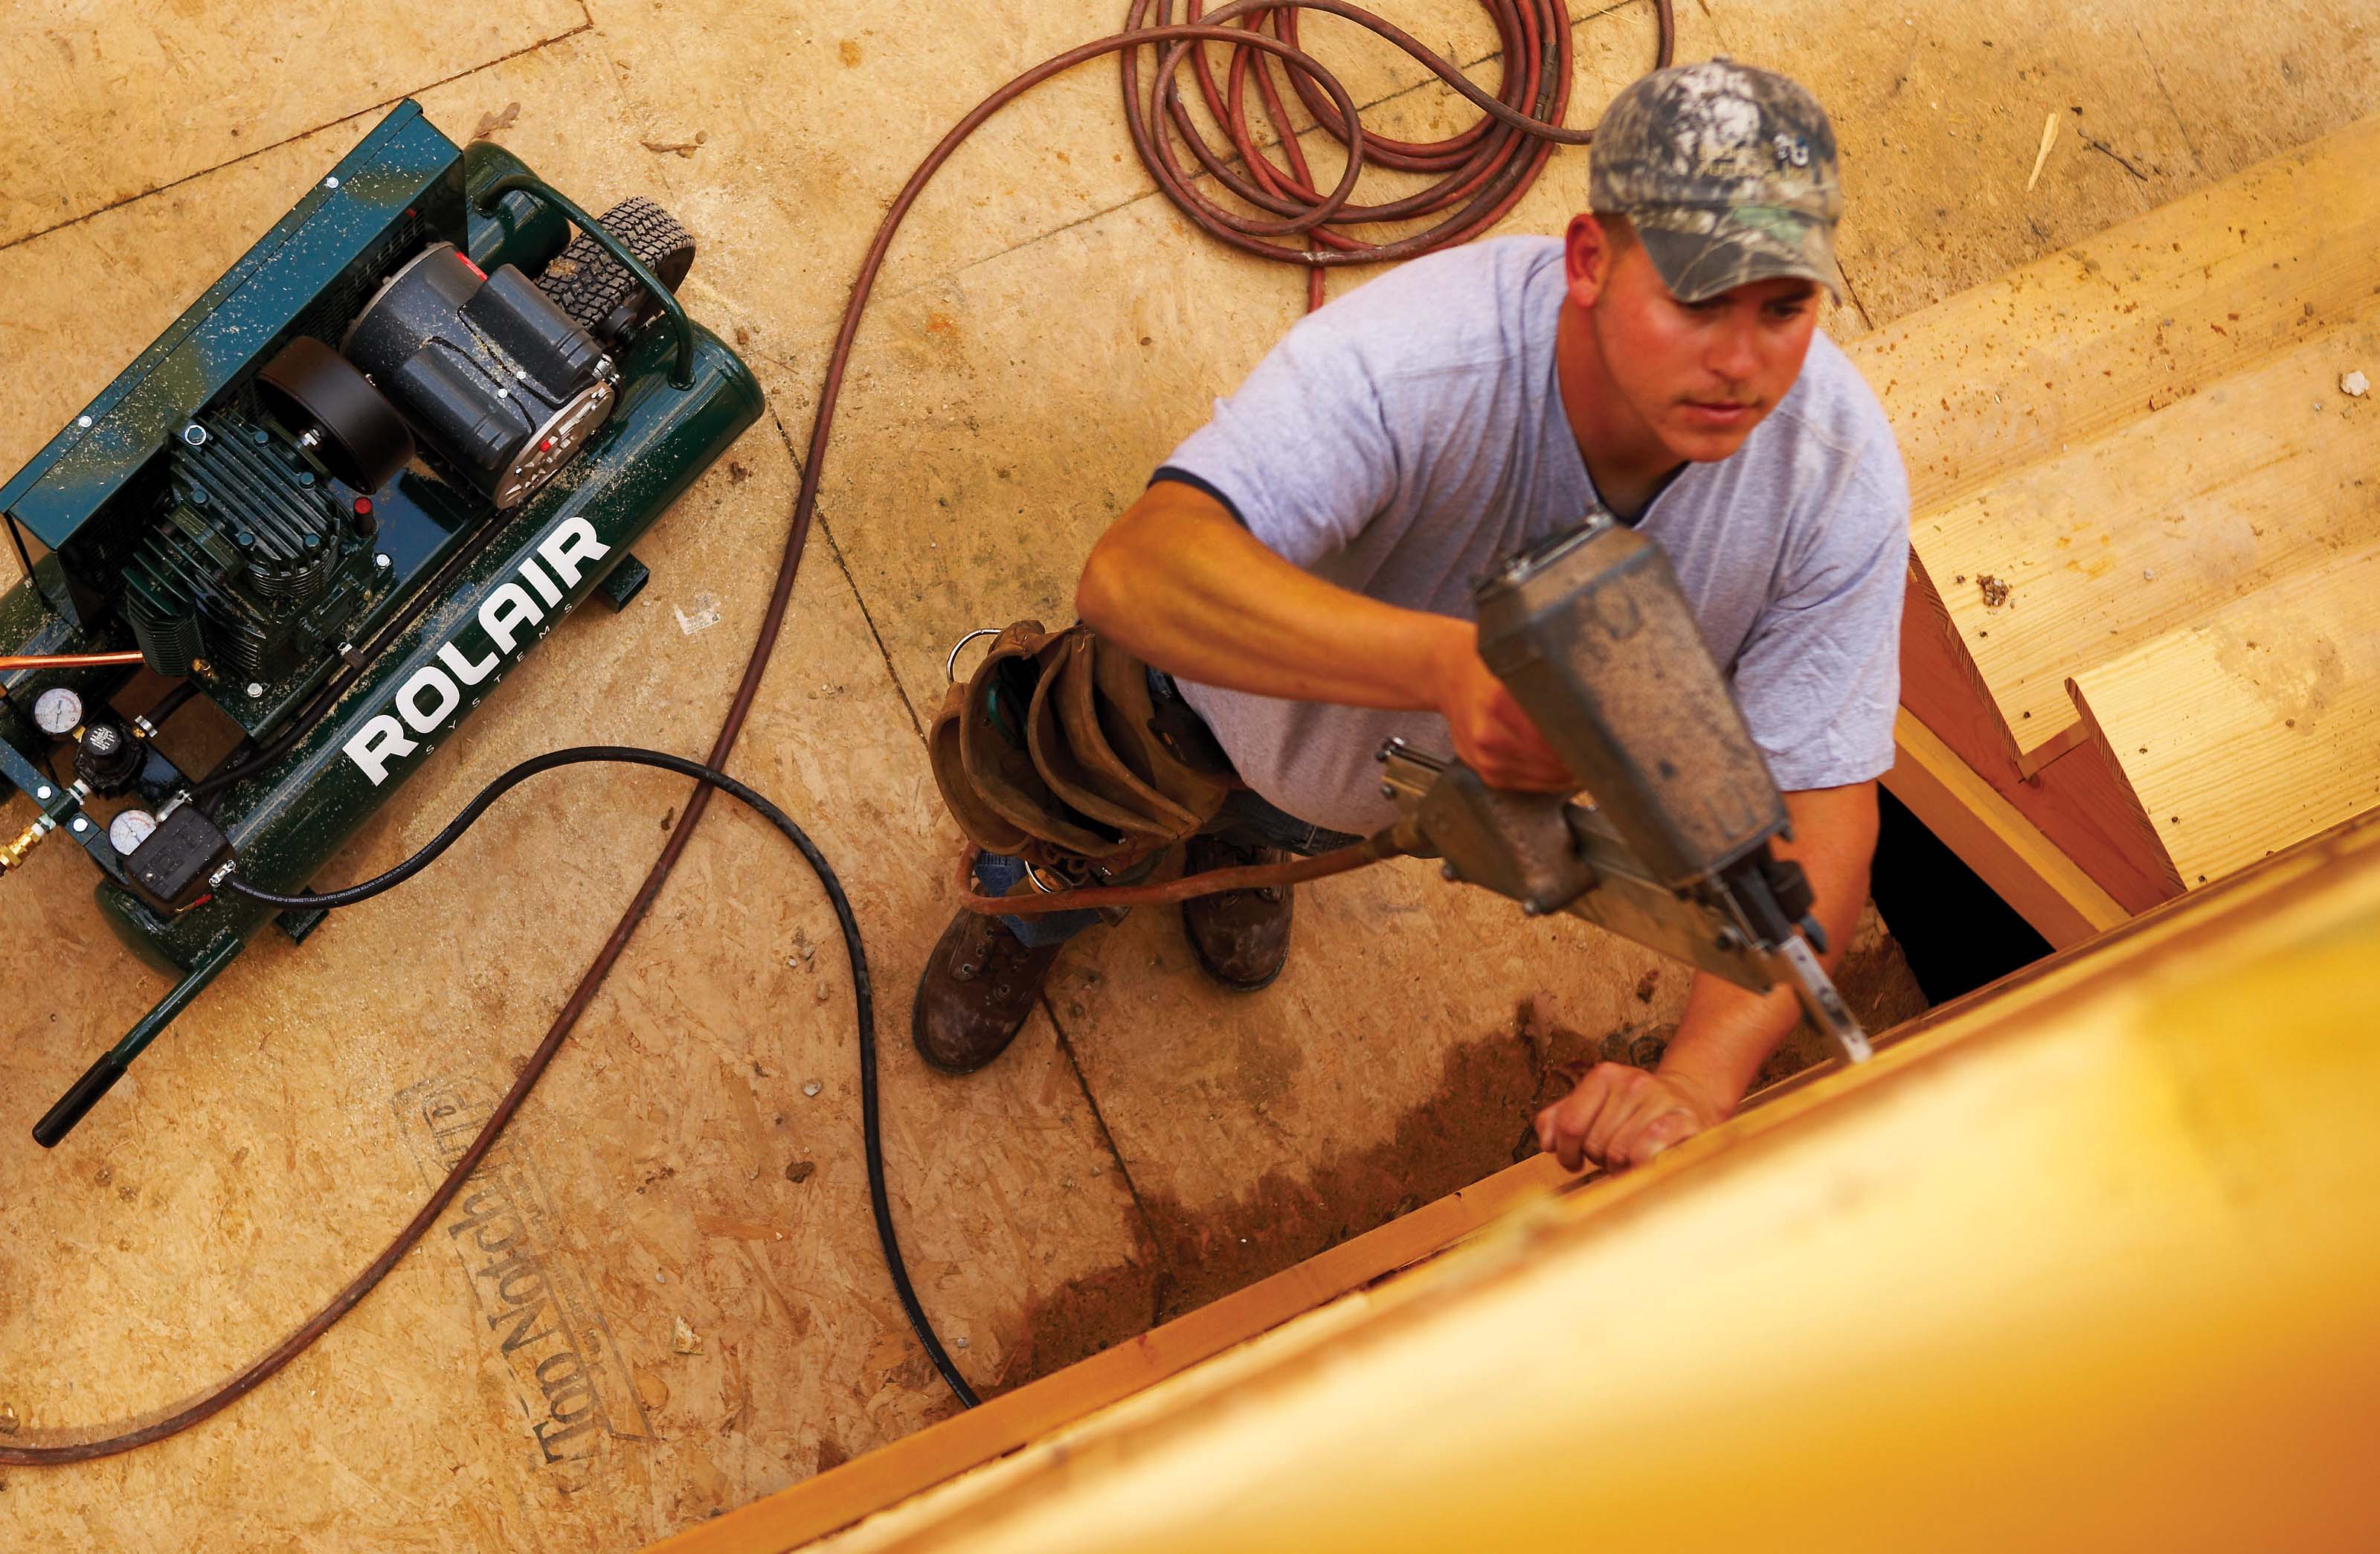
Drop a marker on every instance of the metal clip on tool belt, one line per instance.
(1050, 752)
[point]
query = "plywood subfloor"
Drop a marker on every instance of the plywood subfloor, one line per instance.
(1046, 330)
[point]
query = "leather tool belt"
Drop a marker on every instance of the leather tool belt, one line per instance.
(1055, 750)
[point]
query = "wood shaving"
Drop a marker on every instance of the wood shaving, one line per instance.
(2049, 137)
(1996, 592)
(503, 118)
(677, 148)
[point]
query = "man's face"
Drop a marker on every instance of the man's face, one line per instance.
(1702, 374)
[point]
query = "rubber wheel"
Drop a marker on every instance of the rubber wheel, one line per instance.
(591, 285)
(309, 386)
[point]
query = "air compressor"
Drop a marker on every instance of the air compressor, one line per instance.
(342, 496)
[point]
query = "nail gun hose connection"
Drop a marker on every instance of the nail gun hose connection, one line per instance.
(172, 1420)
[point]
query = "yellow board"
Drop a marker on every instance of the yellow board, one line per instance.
(2092, 1264)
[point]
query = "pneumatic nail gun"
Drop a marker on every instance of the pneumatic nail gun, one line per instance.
(1670, 842)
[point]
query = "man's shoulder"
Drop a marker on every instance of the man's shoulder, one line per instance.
(1471, 306)
(1830, 405)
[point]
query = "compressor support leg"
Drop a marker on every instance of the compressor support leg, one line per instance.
(102, 1076)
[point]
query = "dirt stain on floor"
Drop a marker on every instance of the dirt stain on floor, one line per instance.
(1478, 1119)
(1488, 1090)
(1084, 1316)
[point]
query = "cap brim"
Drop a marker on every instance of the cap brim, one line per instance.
(1696, 266)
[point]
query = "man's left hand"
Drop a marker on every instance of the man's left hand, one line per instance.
(1620, 1116)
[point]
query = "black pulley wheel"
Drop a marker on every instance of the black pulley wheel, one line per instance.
(312, 388)
(589, 284)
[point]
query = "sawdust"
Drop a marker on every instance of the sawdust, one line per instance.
(1995, 591)
(503, 118)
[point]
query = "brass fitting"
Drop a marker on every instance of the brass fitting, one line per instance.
(13, 855)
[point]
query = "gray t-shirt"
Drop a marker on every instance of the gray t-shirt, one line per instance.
(1409, 434)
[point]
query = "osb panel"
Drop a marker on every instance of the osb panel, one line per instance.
(674, 1166)
(2265, 79)
(109, 101)
(1939, 111)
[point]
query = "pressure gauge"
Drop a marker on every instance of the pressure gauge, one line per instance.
(128, 829)
(57, 712)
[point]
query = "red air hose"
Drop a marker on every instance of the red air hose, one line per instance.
(1484, 170)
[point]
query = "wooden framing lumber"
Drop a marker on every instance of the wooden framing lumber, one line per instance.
(2126, 537)
(2064, 905)
(2112, 445)
(2255, 727)
(2077, 802)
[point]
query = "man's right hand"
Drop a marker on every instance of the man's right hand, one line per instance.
(1492, 735)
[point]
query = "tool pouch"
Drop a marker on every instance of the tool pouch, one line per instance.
(1051, 752)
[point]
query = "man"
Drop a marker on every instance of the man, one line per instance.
(1301, 566)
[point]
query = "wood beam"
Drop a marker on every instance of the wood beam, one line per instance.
(2064, 905)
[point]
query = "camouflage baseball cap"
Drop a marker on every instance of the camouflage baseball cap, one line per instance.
(1727, 173)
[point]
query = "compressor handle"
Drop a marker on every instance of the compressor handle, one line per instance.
(100, 1077)
(604, 237)
(96, 1081)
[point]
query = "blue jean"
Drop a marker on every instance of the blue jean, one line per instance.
(1245, 820)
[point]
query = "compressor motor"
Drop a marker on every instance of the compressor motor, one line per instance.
(265, 552)
(503, 384)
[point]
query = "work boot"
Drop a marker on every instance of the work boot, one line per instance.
(978, 987)
(1241, 937)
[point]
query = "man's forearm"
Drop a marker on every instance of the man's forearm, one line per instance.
(1724, 1034)
(1727, 1032)
(1177, 581)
